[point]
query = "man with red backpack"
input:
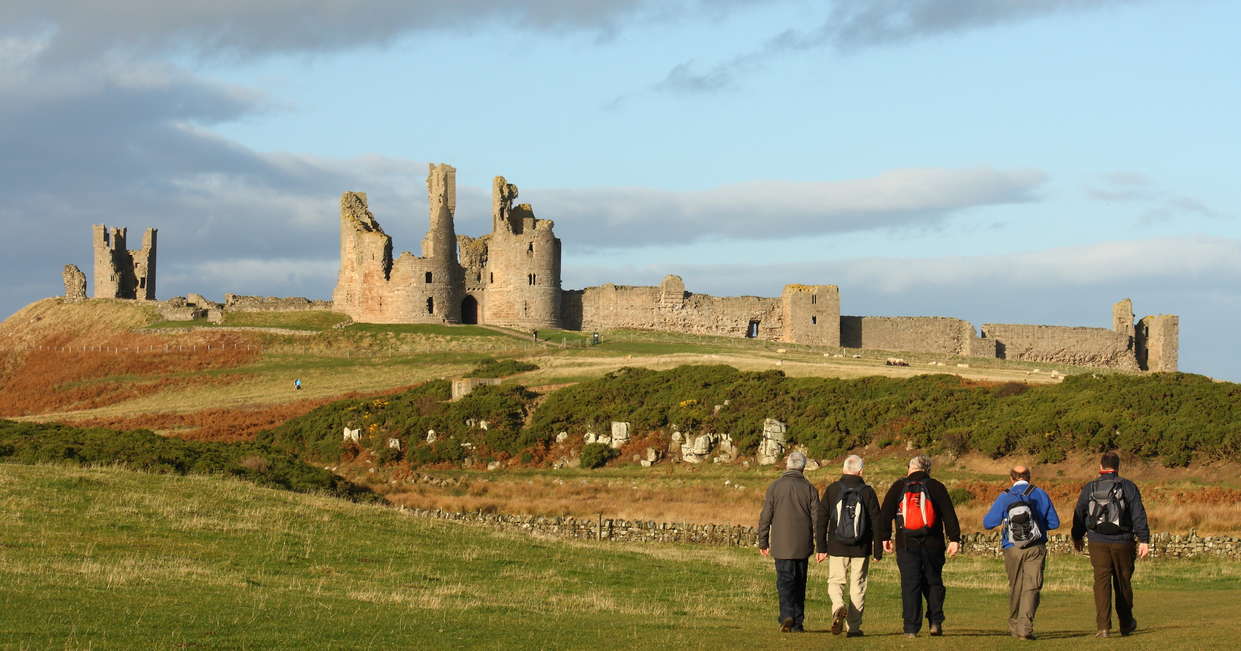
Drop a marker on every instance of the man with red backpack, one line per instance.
(1027, 514)
(923, 514)
(1110, 515)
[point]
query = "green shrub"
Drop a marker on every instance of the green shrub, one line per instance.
(594, 455)
(960, 496)
(490, 368)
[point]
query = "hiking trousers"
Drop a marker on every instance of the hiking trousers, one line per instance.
(1025, 581)
(791, 586)
(850, 570)
(922, 577)
(1113, 572)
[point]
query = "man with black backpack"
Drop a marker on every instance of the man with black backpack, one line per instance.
(924, 515)
(848, 513)
(1110, 515)
(1027, 514)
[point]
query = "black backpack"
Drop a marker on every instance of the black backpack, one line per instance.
(1107, 513)
(1023, 529)
(849, 518)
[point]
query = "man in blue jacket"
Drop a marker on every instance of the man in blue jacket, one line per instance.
(1027, 514)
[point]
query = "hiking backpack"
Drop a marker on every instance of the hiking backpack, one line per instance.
(1107, 512)
(917, 512)
(849, 519)
(1023, 529)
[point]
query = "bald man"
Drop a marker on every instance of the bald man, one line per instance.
(1027, 514)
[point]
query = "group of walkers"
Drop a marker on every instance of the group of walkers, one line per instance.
(847, 526)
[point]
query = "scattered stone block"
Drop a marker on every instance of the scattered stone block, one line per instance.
(353, 434)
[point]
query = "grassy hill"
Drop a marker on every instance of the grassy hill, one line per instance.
(108, 558)
(114, 363)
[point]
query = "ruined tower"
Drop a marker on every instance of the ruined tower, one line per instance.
(1158, 342)
(372, 287)
(522, 272)
(811, 314)
(119, 272)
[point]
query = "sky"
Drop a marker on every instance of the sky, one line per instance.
(999, 161)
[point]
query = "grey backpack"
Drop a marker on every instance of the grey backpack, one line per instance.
(1023, 529)
(1107, 513)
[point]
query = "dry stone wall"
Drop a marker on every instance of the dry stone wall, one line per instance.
(1057, 344)
(987, 543)
(651, 308)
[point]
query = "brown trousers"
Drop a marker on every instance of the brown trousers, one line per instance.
(1025, 581)
(1113, 571)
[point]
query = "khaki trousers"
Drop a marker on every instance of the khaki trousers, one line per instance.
(850, 570)
(1025, 580)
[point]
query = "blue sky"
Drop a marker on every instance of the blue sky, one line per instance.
(998, 161)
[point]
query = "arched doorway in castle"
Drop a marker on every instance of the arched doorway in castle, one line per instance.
(469, 310)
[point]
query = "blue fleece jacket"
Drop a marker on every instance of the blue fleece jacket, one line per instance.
(1040, 504)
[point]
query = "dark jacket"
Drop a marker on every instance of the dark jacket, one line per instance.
(787, 523)
(1137, 514)
(945, 522)
(824, 532)
(1040, 506)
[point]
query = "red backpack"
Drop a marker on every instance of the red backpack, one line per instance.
(917, 511)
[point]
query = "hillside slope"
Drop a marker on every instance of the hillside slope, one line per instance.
(113, 559)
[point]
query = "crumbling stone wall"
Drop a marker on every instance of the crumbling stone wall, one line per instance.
(1158, 343)
(75, 283)
(919, 334)
(238, 303)
(670, 307)
(1064, 345)
(119, 272)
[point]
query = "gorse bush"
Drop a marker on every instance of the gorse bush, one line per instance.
(408, 417)
(145, 451)
(594, 455)
(1172, 416)
(490, 368)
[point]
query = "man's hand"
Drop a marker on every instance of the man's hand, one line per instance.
(765, 552)
(1078, 544)
(953, 548)
(1144, 550)
(887, 546)
(820, 557)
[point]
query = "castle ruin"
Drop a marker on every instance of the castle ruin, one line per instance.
(511, 277)
(119, 272)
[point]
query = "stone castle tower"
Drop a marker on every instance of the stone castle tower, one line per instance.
(510, 277)
(119, 272)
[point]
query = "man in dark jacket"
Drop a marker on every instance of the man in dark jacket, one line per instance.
(1024, 561)
(849, 550)
(786, 533)
(1111, 531)
(920, 554)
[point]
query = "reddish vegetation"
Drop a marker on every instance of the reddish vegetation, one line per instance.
(58, 375)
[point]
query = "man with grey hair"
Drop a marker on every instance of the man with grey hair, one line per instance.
(848, 514)
(786, 529)
(924, 515)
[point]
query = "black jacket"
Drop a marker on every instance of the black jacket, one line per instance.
(824, 534)
(945, 522)
(1137, 515)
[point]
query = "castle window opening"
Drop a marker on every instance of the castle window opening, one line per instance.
(530, 248)
(814, 298)
(491, 276)
(751, 330)
(142, 282)
(530, 277)
(428, 277)
(814, 320)
(430, 305)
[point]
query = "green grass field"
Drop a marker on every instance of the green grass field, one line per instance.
(107, 558)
